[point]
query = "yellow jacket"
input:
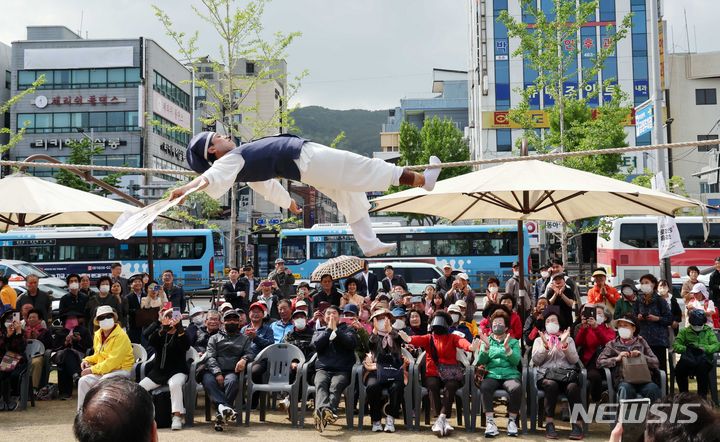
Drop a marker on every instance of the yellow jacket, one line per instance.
(8, 295)
(115, 354)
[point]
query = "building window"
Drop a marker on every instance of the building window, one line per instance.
(67, 122)
(249, 68)
(7, 79)
(709, 147)
(705, 96)
(170, 91)
(169, 130)
(504, 140)
(709, 188)
(81, 78)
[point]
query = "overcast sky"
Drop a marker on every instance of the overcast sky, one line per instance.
(360, 54)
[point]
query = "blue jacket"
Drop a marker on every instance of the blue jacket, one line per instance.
(280, 330)
(654, 332)
(263, 338)
(337, 354)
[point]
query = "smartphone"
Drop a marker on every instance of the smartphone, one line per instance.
(16, 316)
(176, 315)
(347, 321)
(589, 312)
(633, 414)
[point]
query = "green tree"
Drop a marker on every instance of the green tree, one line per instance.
(15, 138)
(438, 137)
(81, 152)
(550, 48)
(238, 31)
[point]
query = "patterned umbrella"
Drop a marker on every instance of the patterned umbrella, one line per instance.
(339, 267)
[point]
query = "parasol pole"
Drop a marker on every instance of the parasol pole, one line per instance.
(521, 244)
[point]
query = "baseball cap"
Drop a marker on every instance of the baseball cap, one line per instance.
(447, 266)
(229, 313)
(463, 276)
(454, 309)
(461, 303)
(279, 261)
(351, 308)
(260, 305)
(300, 304)
(224, 306)
(599, 272)
(398, 312)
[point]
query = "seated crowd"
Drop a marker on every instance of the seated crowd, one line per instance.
(383, 329)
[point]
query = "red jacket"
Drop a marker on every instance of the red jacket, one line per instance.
(590, 339)
(446, 346)
(515, 326)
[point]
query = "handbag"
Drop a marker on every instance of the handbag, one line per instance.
(562, 375)
(635, 370)
(388, 373)
(694, 357)
(479, 375)
(447, 372)
(10, 362)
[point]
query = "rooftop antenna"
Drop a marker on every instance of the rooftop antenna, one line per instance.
(81, 23)
(695, 34)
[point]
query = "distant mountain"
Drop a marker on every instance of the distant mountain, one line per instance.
(322, 125)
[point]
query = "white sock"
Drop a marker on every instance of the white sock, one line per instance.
(367, 240)
(431, 175)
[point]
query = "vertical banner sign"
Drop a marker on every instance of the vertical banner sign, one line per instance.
(669, 243)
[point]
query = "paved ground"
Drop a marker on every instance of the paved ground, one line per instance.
(52, 421)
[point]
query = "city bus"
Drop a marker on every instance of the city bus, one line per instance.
(631, 250)
(196, 256)
(480, 251)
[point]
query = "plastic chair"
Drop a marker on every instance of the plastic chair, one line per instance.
(477, 400)
(612, 394)
(33, 349)
(194, 388)
(407, 394)
(279, 358)
(462, 396)
(536, 395)
(308, 388)
(189, 404)
(139, 353)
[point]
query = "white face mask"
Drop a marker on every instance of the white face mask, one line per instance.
(299, 323)
(646, 288)
(381, 324)
(198, 320)
(106, 324)
(516, 273)
(8, 325)
(552, 327)
(663, 291)
(399, 324)
(455, 317)
(600, 319)
(74, 285)
(697, 328)
(544, 275)
(493, 289)
(625, 333)
(104, 289)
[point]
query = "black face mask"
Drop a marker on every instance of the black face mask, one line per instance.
(166, 327)
(439, 330)
(232, 328)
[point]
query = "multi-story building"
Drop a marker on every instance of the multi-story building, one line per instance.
(694, 113)
(126, 94)
(496, 77)
(5, 88)
(450, 101)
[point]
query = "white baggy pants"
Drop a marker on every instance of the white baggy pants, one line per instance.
(88, 381)
(176, 384)
(345, 177)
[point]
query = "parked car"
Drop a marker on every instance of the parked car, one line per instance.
(417, 275)
(17, 271)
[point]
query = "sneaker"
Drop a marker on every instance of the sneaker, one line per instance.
(318, 421)
(227, 413)
(377, 427)
(176, 423)
(512, 428)
(550, 432)
(447, 428)
(328, 416)
(284, 404)
(577, 432)
(219, 422)
(439, 426)
(389, 424)
(11, 405)
(491, 429)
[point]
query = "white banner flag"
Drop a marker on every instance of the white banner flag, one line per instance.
(669, 243)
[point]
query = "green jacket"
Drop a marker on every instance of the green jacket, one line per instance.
(623, 306)
(363, 347)
(704, 339)
(499, 364)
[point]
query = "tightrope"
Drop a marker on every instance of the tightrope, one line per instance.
(541, 157)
